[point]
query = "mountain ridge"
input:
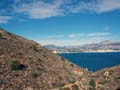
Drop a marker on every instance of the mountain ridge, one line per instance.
(103, 46)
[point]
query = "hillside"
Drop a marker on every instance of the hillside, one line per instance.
(26, 65)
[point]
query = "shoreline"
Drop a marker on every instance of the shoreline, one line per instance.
(85, 52)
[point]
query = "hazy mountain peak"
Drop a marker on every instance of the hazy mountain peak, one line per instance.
(106, 42)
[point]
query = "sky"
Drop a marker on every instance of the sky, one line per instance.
(62, 22)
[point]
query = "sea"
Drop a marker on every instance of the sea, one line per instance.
(93, 61)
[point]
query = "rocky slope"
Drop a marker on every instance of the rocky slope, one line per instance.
(26, 65)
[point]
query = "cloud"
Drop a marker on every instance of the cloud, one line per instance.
(98, 34)
(108, 5)
(83, 35)
(97, 6)
(72, 35)
(40, 9)
(76, 39)
(56, 36)
(60, 42)
(5, 19)
(71, 42)
(80, 35)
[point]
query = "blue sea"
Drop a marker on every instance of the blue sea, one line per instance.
(93, 61)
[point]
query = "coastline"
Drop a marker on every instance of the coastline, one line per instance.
(86, 52)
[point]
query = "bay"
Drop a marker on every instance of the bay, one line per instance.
(93, 61)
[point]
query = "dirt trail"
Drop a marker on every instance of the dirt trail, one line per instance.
(73, 86)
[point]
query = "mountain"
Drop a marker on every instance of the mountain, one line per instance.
(104, 46)
(54, 47)
(26, 65)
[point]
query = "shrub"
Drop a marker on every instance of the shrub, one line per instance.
(39, 60)
(92, 85)
(72, 65)
(118, 89)
(15, 65)
(35, 49)
(75, 87)
(34, 75)
(0, 35)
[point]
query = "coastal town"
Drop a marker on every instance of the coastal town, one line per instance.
(89, 51)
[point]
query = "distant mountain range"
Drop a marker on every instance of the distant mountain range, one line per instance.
(104, 46)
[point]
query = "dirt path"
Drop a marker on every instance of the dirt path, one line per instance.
(73, 86)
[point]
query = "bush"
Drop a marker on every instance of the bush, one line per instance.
(75, 87)
(39, 60)
(34, 75)
(118, 89)
(72, 65)
(15, 65)
(0, 36)
(92, 85)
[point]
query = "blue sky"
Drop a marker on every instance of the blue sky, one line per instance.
(62, 22)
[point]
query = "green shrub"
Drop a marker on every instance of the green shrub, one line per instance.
(15, 65)
(92, 85)
(35, 49)
(72, 65)
(39, 60)
(0, 35)
(34, 75)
